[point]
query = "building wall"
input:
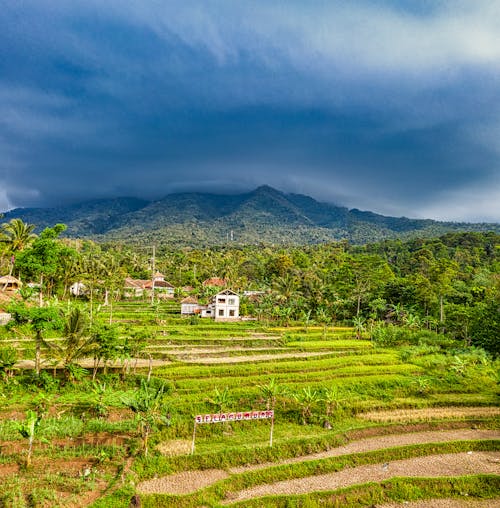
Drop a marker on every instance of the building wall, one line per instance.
(227, 307)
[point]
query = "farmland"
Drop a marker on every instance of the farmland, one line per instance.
(345, 375)
(341, 403)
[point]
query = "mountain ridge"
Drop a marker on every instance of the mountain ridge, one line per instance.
(261, 215)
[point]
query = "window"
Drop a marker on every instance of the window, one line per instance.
(231, 312)
(221, 300)
(231, 301)
(221, 312)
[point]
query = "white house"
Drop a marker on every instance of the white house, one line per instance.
(190, 306)
(225, 306)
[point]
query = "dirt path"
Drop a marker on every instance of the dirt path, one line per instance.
(208, 360)
(455, 464)
(190, 481)
(182, 483)
(257, 358)
(390, 441)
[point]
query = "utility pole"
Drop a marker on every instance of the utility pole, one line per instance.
(153, 271)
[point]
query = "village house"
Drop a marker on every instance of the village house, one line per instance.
(8, 283)
(224, 306)
(140, 287)
(190, 306)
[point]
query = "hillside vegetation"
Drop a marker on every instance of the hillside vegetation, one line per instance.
(264, 215)
(379, 362)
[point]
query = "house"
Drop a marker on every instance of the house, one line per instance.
(141, 287)
(224, 306)
(8, 283)
(162, 288)
(78, 289)
(134, 287)
(215, 282)
(190, 306)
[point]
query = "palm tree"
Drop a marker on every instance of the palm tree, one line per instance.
(333, 400)
(77, 342)
(359, 326)
(18, 235)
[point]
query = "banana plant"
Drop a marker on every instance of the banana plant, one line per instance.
(28, 429)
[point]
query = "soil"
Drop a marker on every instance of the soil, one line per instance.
(389, 441)
(455, 464)
(183, 483)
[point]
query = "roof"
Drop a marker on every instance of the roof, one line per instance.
(146, 283)
(227, 292)
(158, 284)
(159, 275)
(215, 281)
(135, 283)
(189, 299)
(9, 279)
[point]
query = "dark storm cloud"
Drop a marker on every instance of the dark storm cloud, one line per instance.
(389, 106)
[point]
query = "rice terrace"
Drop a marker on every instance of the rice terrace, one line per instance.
(321, 375)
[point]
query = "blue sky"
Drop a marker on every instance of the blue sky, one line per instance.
(390, 106)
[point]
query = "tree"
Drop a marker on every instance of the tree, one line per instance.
(42, 261)
(77, 342)
(333, 400)
(8, 358)
(149, 408)
(359, 323)
(220, 398)
(107, 345)
(17, 235)
(40, 319)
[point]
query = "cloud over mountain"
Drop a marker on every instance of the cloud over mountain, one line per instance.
(384, 105)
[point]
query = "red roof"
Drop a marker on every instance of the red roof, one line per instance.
(215, 281)
(189, 299)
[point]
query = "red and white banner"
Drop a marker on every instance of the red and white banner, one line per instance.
(231, 417)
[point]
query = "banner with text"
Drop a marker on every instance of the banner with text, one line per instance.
(234, 417)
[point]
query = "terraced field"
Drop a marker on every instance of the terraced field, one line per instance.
(355, 424)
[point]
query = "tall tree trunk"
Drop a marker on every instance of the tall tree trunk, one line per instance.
(38, 352)
(150, 367)
(40, 293)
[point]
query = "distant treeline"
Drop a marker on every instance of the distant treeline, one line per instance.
(450, 283)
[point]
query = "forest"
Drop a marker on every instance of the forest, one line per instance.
(449, 284)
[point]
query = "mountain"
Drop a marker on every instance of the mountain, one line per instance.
(263, 215)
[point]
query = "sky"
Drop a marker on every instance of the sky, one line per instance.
(391, 106)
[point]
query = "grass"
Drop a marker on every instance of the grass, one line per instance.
(366, 378)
